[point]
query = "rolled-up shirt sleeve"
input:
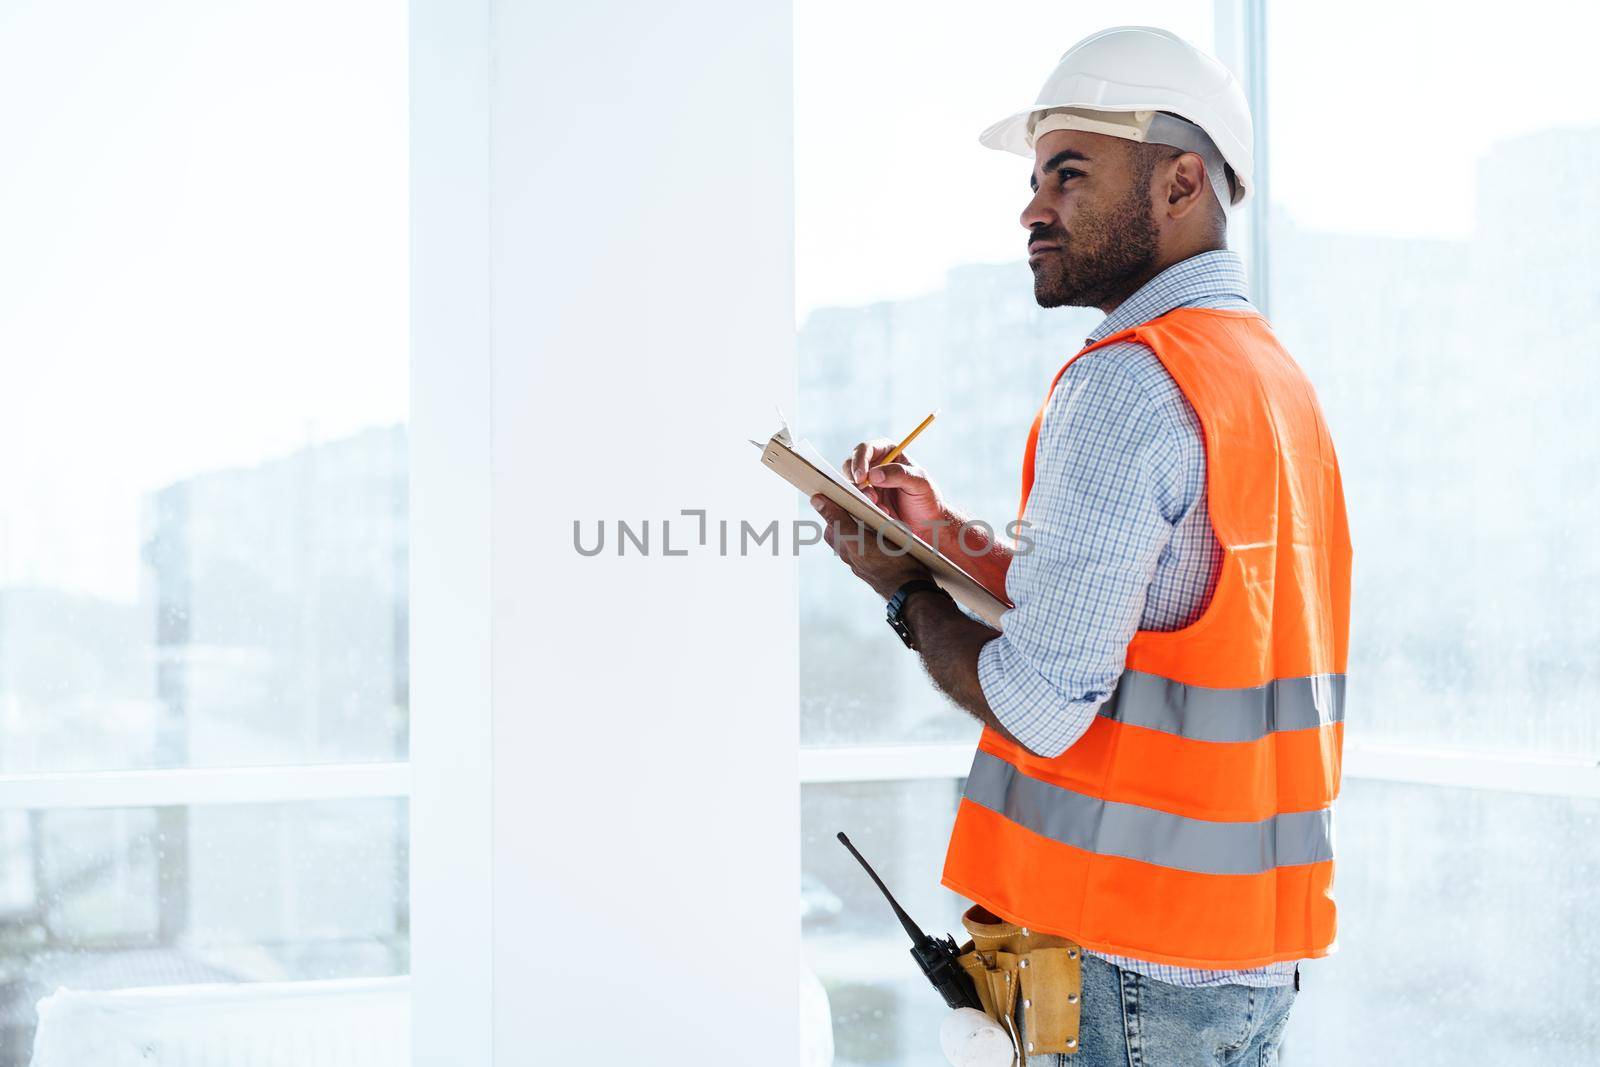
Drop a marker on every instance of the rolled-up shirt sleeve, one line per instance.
(1105, 467)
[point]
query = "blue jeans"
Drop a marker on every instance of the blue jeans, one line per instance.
(1129, 1020)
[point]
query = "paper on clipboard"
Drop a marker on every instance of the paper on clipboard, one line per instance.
(802, 466)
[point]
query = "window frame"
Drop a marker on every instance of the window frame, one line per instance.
(1534, 773)
(204, 786)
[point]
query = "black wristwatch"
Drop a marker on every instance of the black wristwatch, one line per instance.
(897, 607)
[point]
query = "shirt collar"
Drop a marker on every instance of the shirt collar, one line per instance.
(1199, 279)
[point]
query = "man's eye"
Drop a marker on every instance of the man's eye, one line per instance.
(1067, 172)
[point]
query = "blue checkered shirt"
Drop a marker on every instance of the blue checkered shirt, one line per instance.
(1121, 540)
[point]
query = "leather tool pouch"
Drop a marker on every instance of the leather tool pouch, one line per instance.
(1008, 963)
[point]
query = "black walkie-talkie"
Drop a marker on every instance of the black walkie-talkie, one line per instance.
(936, 956)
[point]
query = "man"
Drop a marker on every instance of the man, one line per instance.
(1163, 708)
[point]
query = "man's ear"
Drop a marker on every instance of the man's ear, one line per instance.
(1186, 184)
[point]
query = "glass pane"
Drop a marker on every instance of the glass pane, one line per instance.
(884, 1010)
(111, 899)
(203, 308)
(1435, 276)
(913, 293)
(1465, 926)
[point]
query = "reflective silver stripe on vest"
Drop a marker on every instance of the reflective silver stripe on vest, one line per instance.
(1140, 833)
(1202, 714)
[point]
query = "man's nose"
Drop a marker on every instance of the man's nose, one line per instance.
(1037, 214)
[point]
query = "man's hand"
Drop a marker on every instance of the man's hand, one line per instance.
(903, 489)
(858, 546)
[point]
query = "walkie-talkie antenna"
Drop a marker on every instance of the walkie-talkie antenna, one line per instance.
(939, 958)
(911, 927)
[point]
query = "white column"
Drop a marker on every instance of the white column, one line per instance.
(630, 172)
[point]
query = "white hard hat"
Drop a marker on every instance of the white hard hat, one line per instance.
(1147, 71)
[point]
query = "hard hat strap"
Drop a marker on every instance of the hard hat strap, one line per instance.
(1147, 127)
(1179, 132)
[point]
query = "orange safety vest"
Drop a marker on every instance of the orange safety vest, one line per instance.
(1192, 824)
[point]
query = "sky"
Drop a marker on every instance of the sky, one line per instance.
(203, 206)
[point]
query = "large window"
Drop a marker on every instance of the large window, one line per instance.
(1428, 254)
(203, 515)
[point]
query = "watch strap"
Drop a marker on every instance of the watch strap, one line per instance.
(895, 608)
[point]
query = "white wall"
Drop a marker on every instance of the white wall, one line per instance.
(605, 818)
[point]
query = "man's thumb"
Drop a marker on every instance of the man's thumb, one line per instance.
(897, 476)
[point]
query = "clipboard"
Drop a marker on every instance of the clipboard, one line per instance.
(799, 464)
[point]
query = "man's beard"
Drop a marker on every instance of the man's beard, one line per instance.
(1102, 256)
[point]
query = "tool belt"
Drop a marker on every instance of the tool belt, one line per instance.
(1008, 963)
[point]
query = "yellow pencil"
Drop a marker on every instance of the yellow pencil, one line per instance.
(901, 447)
